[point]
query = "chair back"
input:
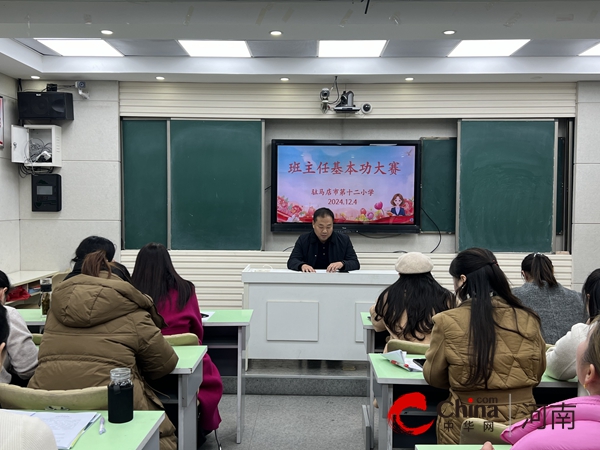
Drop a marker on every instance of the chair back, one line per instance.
(15, 397)
(58, 277)
(412, 348)
(37, 338)
(182, 339)
(477, 431)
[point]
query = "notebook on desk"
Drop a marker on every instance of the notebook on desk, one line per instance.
(67, 427)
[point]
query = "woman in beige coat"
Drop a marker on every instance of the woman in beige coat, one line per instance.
(489, 351)
(98, 322)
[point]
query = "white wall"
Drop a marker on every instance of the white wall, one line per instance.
(10, 259)
(586, 183)
(365, 129)
(91, 182)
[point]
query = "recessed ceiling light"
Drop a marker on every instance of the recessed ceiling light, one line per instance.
(449, 32)
(501, 47)
(160, 78)
(106, 32)
(35, 77)
(409, 78)
(217, 49)
(594, 51)
(350, 49)
(276, 33)
(80, 47)
(284, 79)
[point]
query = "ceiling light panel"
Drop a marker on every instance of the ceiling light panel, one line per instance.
(148, 47)
(488, 48)
(594, 51)
(216, 49)
(428, 48)
(80, 47)
(283, 49)
(350, 49)
(555, 47)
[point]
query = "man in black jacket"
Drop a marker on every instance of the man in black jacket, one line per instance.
(323, 248)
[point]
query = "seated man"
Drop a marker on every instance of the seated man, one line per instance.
(323, 248)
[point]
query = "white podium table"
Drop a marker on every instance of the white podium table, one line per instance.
(310, 315)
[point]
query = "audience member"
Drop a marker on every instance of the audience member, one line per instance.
(577, 429)
(561, 358)
(17, 431)
(559, 308)
(89, 245)
(21, 353)
(175, 299)
(487, 348)
(98, 322)
(406, 307)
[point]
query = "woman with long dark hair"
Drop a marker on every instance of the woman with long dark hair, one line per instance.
(98, 322)
(488, 351)
(176, 301)
(406, 307)
(559, 308)
(561, 357)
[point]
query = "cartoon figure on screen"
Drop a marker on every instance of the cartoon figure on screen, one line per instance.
(397, 209)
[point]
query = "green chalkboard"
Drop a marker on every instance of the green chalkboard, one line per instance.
(144, 182)
(216, 185)
(438, 178)
(506, 193)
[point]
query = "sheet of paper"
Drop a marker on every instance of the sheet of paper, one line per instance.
(399, 358)
(67, 426)
(206, 314)
(18, 411)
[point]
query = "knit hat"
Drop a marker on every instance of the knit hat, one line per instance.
(413, 263)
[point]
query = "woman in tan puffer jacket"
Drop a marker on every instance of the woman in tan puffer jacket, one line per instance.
(97, 322)
(489, 351)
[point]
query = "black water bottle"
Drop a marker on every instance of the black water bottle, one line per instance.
(120, 396)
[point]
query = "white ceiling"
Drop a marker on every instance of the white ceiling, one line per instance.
(417, 47)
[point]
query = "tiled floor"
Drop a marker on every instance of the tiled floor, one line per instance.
(275, 422)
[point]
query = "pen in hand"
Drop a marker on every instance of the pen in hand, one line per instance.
(101, 430)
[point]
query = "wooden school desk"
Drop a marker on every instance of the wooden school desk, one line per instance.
(389, 376)
(226, 335)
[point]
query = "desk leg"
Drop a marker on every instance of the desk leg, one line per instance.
(154, 442)
(370, 407)
(369, 338)
(187, 416)
(385, 431)
(241, 384)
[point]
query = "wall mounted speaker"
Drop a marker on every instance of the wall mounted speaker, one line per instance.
(45, 105)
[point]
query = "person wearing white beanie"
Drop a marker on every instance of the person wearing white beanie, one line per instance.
(406, 307)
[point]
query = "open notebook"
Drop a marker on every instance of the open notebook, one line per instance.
(67, 427)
